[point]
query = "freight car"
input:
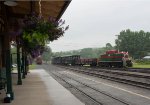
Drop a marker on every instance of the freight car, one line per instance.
(74, 60)
(66, 60)
(111, 58)
(87, 61)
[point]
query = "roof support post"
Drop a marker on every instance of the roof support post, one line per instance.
(9, 93)
(26, 65)
(23, 64)
(19, 82)
(7, 59)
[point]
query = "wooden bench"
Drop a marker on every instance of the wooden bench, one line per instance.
(2, 78)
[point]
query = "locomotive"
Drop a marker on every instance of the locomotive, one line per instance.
(112, 58)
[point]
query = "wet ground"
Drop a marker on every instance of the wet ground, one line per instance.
(129, 95)
(39, 88)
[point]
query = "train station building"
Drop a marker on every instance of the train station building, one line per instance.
(11, 15)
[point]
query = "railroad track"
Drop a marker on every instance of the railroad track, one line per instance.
(86, 89)
(140, 70)
(131, 78)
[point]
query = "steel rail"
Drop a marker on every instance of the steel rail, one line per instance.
(88, 96)
(101, 92)
(97, 74)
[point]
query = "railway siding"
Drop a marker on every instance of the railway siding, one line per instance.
(100, 97)
(96, 91)
(133, 78)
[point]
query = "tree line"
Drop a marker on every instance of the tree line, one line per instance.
(137, 43)
(86, 52)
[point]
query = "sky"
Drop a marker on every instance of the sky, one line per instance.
(93, 23)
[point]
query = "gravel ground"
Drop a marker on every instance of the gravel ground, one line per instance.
(130, 94)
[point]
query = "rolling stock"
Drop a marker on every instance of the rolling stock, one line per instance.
(111, 58)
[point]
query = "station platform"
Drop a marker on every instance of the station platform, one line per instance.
(39, 88)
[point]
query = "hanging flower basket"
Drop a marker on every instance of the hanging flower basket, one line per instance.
(38, 32)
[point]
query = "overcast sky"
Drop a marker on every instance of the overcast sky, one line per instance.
(93, 23)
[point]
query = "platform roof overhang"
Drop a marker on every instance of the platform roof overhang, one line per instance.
(53, 8)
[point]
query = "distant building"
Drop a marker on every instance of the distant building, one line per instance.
(146, 57)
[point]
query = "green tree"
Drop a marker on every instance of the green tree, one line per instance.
(14, 55)
(109, 46)
(136, 43)
(86, 52)
(47, 54)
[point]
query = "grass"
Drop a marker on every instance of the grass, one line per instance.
(136, 65)
(33, 66)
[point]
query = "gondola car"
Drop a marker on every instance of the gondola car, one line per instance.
(66, 60)
(87, 61)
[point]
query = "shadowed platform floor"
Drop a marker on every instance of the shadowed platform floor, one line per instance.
(39, 88)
